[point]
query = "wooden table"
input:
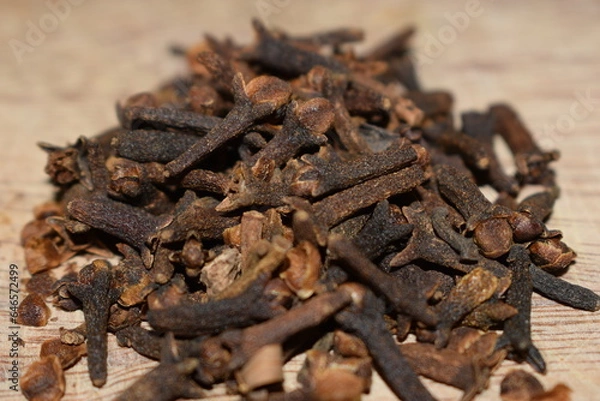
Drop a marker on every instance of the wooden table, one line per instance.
(541, 56)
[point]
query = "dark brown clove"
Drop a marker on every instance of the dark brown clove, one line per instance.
(562, 291)
(169, 381)
(137, 117)
(205, 181)
(65, 166)
(481, 126)
(303, 127)
(517, 329)
(492, 232)
(403, 297)
(151, 145)
(423, 244)
(288, 60)
(385, 226)
(532, 162)
(94, 288)
(200, 318)
(443, 228)
(365, 321)
(339, 206)
(334, 37)
(255, 100)
(145, 342)
(540, 204)
(130, 224)
(322, 176)
(263, 184)
(313, 312)
(193, 215)
(333, 85)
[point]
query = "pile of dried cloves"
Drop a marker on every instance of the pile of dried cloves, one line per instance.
(290, 196)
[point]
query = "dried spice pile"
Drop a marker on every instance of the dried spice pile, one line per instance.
(290, 196)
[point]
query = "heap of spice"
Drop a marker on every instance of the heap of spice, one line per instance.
(290, 196)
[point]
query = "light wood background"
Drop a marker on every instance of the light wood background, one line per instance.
(541, 56)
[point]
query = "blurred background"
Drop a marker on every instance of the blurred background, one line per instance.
(64, 63)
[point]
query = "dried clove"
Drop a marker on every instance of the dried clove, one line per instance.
(366, 322)
(517, 329)
(555, 288)
(471, 291)
(403, 297)
(170, 380)
(165, 117)
(95, 292)
(322, 176)
(385, 226)
(303, 127)
(337, 207)
(198, 318)
(254, 101)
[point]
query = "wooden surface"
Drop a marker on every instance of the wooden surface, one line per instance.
(541, 56)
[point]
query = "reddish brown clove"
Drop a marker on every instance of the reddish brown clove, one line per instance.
(44, 380)
(68, 355)
(33, 311)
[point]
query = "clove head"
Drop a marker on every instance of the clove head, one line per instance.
(526, 227)
(268, 90)
(494, 237)
(551, 254)
(316, 115)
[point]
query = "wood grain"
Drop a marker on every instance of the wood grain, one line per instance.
(541, 56)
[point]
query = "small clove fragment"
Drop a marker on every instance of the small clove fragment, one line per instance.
(44, 380)
(291, 195)
(519, 385)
